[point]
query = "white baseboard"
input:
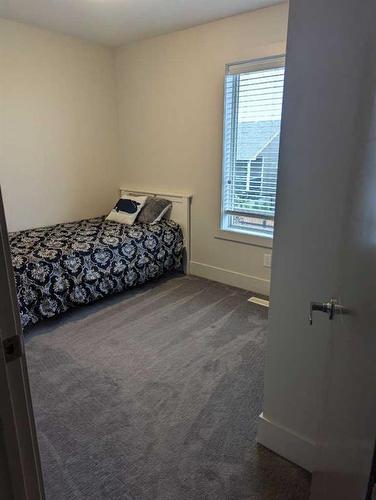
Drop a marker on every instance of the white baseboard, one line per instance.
(298, 449)
(240, 280)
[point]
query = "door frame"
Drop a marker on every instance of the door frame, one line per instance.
(16, 412)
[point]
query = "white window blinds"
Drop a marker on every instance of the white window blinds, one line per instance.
(252, 120)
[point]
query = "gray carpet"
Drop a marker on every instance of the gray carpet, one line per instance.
(154, 394)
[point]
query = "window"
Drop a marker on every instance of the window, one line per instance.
(252, 121)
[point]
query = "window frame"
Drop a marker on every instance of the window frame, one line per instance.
(224, 231)
(249, 178)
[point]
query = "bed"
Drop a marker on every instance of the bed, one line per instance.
(67, 265)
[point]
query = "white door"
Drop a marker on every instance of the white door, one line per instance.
(320, 379)
(347, 431)
(20, 476)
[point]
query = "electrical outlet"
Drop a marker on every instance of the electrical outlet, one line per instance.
(267, 259)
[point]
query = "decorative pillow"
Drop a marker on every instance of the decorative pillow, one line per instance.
(153, 210)
(126, 209)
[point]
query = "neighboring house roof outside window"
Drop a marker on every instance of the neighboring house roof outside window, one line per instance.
(253, 137)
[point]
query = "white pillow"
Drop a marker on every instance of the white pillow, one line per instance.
(126, 209)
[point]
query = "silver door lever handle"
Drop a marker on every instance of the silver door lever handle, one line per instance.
(330, 308)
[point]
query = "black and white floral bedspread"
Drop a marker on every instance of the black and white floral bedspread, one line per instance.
(63, 266)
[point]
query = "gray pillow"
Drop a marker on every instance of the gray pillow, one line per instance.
(153, 210)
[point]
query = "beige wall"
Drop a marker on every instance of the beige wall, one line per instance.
(58, 127)
(171, 109)
(59, 134)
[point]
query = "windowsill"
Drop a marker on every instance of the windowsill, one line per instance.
(245, 238)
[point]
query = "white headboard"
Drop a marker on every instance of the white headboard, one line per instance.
(180, 213)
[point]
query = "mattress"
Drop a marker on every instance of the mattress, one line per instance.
(68, 265)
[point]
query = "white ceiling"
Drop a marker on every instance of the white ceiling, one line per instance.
(117, 22)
